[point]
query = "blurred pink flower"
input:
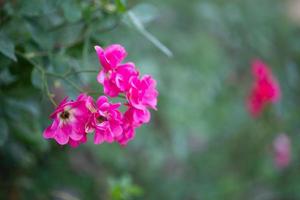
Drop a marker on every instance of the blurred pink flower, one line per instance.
(114, 76)
(132, 119)
(106, 121)
(118, 79)
(137, 117)
(74, 119)
(74, 143)
(143, 93)
(282, 151)
(111, 56)
(69, 121)
(128, 132)
(265, 88)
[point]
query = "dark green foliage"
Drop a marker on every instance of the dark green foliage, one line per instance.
(200, 144)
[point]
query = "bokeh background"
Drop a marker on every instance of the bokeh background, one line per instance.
(201, 143)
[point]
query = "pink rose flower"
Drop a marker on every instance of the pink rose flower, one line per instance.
(115, 77)
(111, 56)
(264, 90)
(106, 121)
(69, 121)
(282, 151)
(117, 80)
(128, 133)
(72, 120)
(74, 143)
(132, 119)
(143, 93)
(137, 117)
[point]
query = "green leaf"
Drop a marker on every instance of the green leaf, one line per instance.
(72, 34)
(123, 188)
(145, 12)
(140, 27)
(39, 35)
(121, 7)
(71, 11)
(7, 47)
(6, 77)
(36, 78)
(23, 117)
(31, 8)
(19, 155)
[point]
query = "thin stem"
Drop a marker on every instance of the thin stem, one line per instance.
(48, 92)
(66, 79)
(74, 85)
(36, 54)
(43, 74)
(69, 73)
(30, 61)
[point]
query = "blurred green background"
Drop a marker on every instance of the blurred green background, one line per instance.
(200, 144)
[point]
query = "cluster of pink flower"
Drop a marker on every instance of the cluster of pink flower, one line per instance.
(265, 88)
(73, 120)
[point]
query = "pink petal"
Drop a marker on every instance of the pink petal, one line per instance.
(75, 135)
(48, 133)
(61, 137)
(101, 100)
(115, 54)
(141, 116)
(101, 77)
(115, 106)
(116, 129)
(98, 138)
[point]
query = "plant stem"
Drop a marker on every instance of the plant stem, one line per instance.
(48, 92)
(43, 75)
(81, 71)
(66, 79)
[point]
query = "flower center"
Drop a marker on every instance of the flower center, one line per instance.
(101, 119)
(64, 115)
(108, 74)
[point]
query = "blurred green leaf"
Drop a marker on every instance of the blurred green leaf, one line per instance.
(6, 77)
(36, 78)
(72, 35)
(20, 156)
(140, 27)
(124, 189)
(31, 8)
(39, 35)
(71, 10)
(145, 12)
(7, 47)
(23, 120)
(121, 7)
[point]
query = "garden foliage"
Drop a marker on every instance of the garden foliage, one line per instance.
(201, 143)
